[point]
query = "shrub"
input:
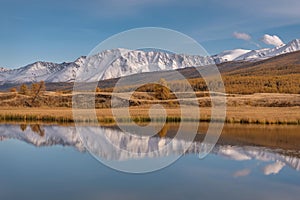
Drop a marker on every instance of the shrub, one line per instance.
(13, 89)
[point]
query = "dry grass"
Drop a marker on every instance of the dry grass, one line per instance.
(243, 114)
(256, 108)
(102, 99)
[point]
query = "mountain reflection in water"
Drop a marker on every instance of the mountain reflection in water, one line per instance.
(276, 146)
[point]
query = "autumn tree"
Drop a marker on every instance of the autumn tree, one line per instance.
(23, 89)
(37, 89)
(98, 89)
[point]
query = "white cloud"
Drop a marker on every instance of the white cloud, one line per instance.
(272, 40)
(246, 37)
(242, 36)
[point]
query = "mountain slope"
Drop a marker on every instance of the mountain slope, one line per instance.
(229, 55)
(266, 53)
(123, 62)
(279, 65)
(46, 71)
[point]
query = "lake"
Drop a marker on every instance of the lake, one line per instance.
(52, 162)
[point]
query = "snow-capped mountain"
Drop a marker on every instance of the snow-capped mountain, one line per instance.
(123, 62)
(46, 71)
(266, 53)
(229, 55)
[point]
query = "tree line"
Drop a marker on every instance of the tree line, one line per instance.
(35, 91)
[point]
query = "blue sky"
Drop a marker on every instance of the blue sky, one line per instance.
(57, 31)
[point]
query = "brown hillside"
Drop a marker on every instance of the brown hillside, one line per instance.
(279, 65)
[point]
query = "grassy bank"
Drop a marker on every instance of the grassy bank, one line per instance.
(243, 115)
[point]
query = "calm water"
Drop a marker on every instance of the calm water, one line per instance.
(249, 162)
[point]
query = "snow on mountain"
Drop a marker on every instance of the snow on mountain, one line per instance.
(254, 55)
(120, 62)
(126, 62)
(123, 62)
(139, 61)
(38, 71)
(292, 46)
(229, 55)
(266, 53)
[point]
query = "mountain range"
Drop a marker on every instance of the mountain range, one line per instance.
(127, 62)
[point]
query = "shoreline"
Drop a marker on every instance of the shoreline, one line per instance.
(240, 115)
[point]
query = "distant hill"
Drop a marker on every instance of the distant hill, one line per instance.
(279, 65)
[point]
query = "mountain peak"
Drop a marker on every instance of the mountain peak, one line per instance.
(80, 60)
(294, 43)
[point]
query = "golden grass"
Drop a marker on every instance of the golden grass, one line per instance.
(241, 114)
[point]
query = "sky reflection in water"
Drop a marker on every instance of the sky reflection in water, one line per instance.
(46, 161)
